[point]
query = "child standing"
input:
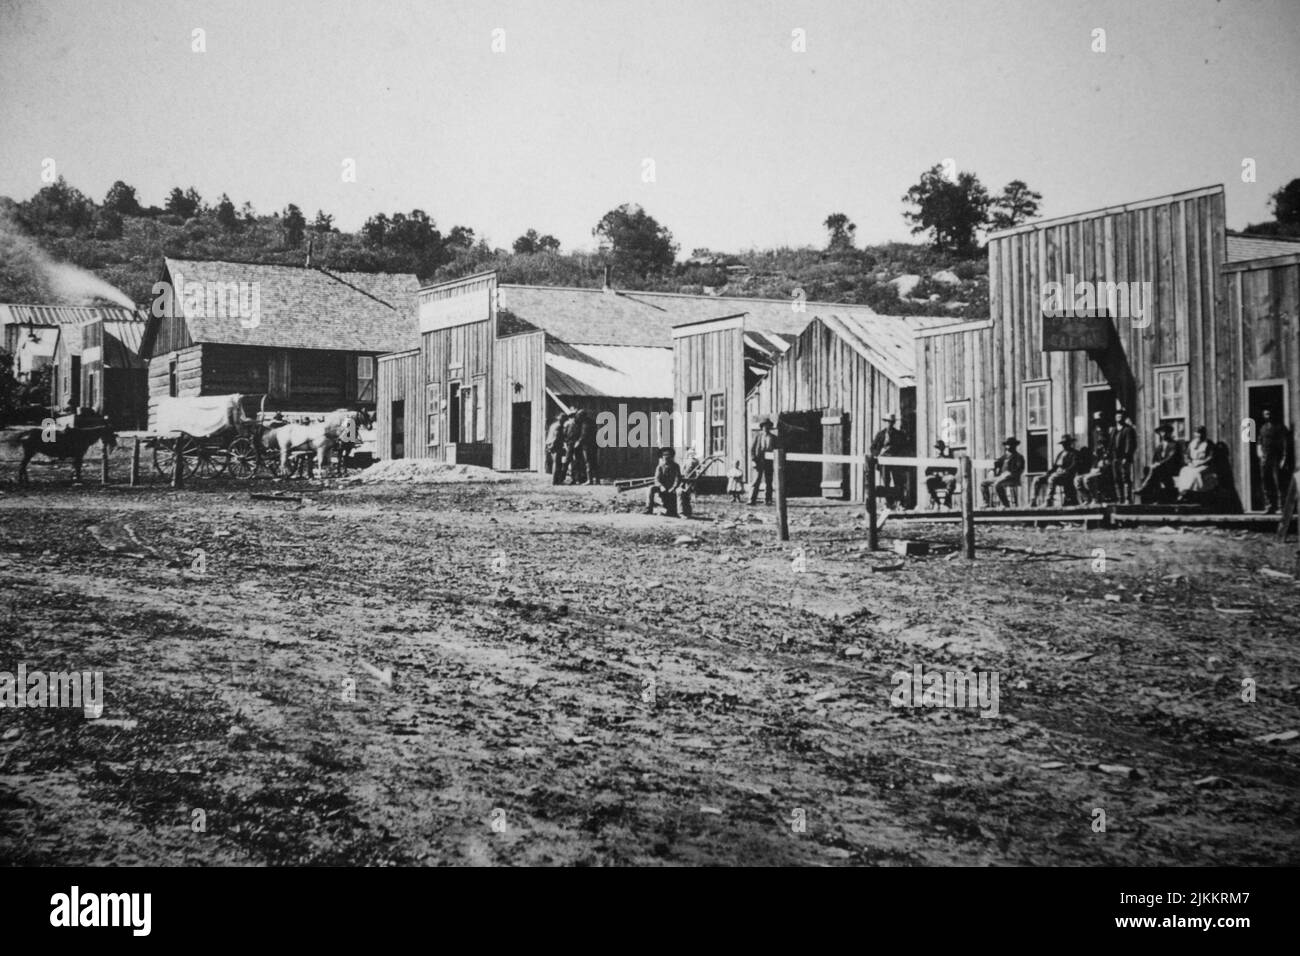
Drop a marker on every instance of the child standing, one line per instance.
(736, 482)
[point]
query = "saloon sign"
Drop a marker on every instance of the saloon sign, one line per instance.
(1072, 331)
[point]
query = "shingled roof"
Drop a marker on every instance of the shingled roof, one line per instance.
(1242, 248)
(306, 308)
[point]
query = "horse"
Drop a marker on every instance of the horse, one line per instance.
(66, 443)
(339, 427)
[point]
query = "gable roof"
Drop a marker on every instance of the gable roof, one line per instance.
(886, 341)
(622, 317)
(301, 307)
(609, 371)
(1242, 248)
(584, 316)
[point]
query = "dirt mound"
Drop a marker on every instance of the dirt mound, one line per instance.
(421, 471)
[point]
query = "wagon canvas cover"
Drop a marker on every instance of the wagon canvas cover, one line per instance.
(202, 416)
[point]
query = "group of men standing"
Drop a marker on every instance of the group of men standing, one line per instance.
(571, 448)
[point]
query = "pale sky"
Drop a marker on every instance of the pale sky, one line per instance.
(753, 143)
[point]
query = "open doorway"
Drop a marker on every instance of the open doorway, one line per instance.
(453, 413)
(521, 435)
(801, 432)
(1269, 395)
(397, 441)
(1097, 400)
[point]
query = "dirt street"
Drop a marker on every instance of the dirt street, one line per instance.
(515, 674)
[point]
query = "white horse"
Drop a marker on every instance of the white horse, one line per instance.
(339, 427)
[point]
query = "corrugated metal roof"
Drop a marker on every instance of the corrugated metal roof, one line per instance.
(609, 371)
(121, 344)
(1241, 248)
(61, 314)
(307, 308)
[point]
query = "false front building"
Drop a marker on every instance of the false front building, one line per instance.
(1150, 307)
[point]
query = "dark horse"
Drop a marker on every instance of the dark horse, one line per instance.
(60, 444)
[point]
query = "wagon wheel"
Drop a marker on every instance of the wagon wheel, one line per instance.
(165, 451)
(205, 461)
(243, 458)
(164, 456)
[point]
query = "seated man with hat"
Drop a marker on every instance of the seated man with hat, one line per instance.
(1165, 462)
(1062, 475)
(941, 482)
(667, 482)
(1007, 472)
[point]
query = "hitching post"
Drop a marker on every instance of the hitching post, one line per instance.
(178, 464)
(103, 459)
(782, 524)
(873, 528)
(135, 462)
(968, 506)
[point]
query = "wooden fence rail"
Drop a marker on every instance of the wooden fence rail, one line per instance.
(964, 465)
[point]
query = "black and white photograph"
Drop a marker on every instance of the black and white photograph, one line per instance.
(560, 433)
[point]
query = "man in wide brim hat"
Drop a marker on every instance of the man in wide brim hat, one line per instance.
(1166, 461)
(763, 443)
(941, 482)
(1007, 472)
(890, 442)
(1061, 477)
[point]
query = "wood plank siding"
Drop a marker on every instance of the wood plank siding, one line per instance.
(519, 376)
(822, 371)
(398, 380)
(707, 365)
(1177, 245)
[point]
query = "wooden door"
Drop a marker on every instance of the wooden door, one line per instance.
(835, 441)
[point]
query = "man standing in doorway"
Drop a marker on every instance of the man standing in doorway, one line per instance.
(1121, 449)
(1271, 447)
(763, 443)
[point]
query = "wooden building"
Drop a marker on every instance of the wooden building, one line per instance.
(97, 365)
(306, 337)
(1138, 306)
(829, 392)
(496, 362)
(33, 335)
(719, 364)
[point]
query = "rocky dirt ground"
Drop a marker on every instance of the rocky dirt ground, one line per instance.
(515, 674)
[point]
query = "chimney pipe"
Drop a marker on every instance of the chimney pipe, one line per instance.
(607, 286)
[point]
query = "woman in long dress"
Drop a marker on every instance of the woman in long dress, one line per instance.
(1197, 473)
